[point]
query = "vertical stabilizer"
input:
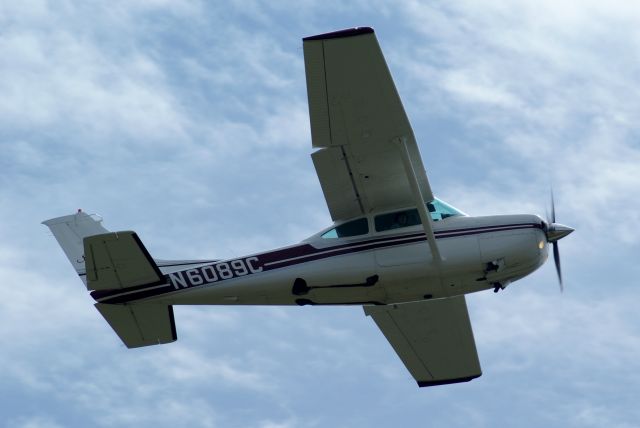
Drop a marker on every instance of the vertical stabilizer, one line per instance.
(70, 231)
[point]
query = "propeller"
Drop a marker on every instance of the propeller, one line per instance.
(555, 232)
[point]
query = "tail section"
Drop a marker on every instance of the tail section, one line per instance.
(70, 231)
(117, 260)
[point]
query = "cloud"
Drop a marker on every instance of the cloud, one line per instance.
(583, 331)
(33, 422)
(547, 88)
(57, 77)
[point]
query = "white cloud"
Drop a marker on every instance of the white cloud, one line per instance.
(548, 84)
(182, 365)
(583, 331)
(471, 87)
(58, 80)
(289, 423)
(33, 422)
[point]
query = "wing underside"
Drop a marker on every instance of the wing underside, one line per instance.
(433, 339)
(357, 122)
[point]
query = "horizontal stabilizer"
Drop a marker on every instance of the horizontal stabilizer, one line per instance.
(140, 324)
(433, 338)
(119, 260)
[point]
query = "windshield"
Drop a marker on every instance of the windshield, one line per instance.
(438, 209)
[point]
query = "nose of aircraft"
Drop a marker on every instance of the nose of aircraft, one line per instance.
(557, 231)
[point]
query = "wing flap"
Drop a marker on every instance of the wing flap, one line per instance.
(433, 339)
(119, 260)
(339, 189)
(140, 324)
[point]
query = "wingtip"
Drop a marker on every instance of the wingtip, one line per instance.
(427, 383)
(78, 214)
(349, 32)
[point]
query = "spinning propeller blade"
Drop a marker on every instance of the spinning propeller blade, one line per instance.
(556, 259)
(556, 231)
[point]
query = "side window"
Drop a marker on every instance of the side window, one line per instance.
(438, 210)
(352, 228)
(397, 220)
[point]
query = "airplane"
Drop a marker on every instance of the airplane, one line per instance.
(405, 256)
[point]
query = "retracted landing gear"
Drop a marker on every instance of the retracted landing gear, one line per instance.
(494, 266)
(497, 286)
(301, 288)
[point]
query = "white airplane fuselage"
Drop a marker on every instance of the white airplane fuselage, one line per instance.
(394, 266)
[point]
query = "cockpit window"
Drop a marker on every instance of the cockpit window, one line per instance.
(351, 228)
(397, 220)
(438, 209)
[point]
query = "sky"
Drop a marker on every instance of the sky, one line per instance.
(187, 121)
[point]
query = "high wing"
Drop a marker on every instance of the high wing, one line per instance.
(358, 123)
(433, 338)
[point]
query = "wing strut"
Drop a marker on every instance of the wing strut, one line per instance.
(425, 217)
